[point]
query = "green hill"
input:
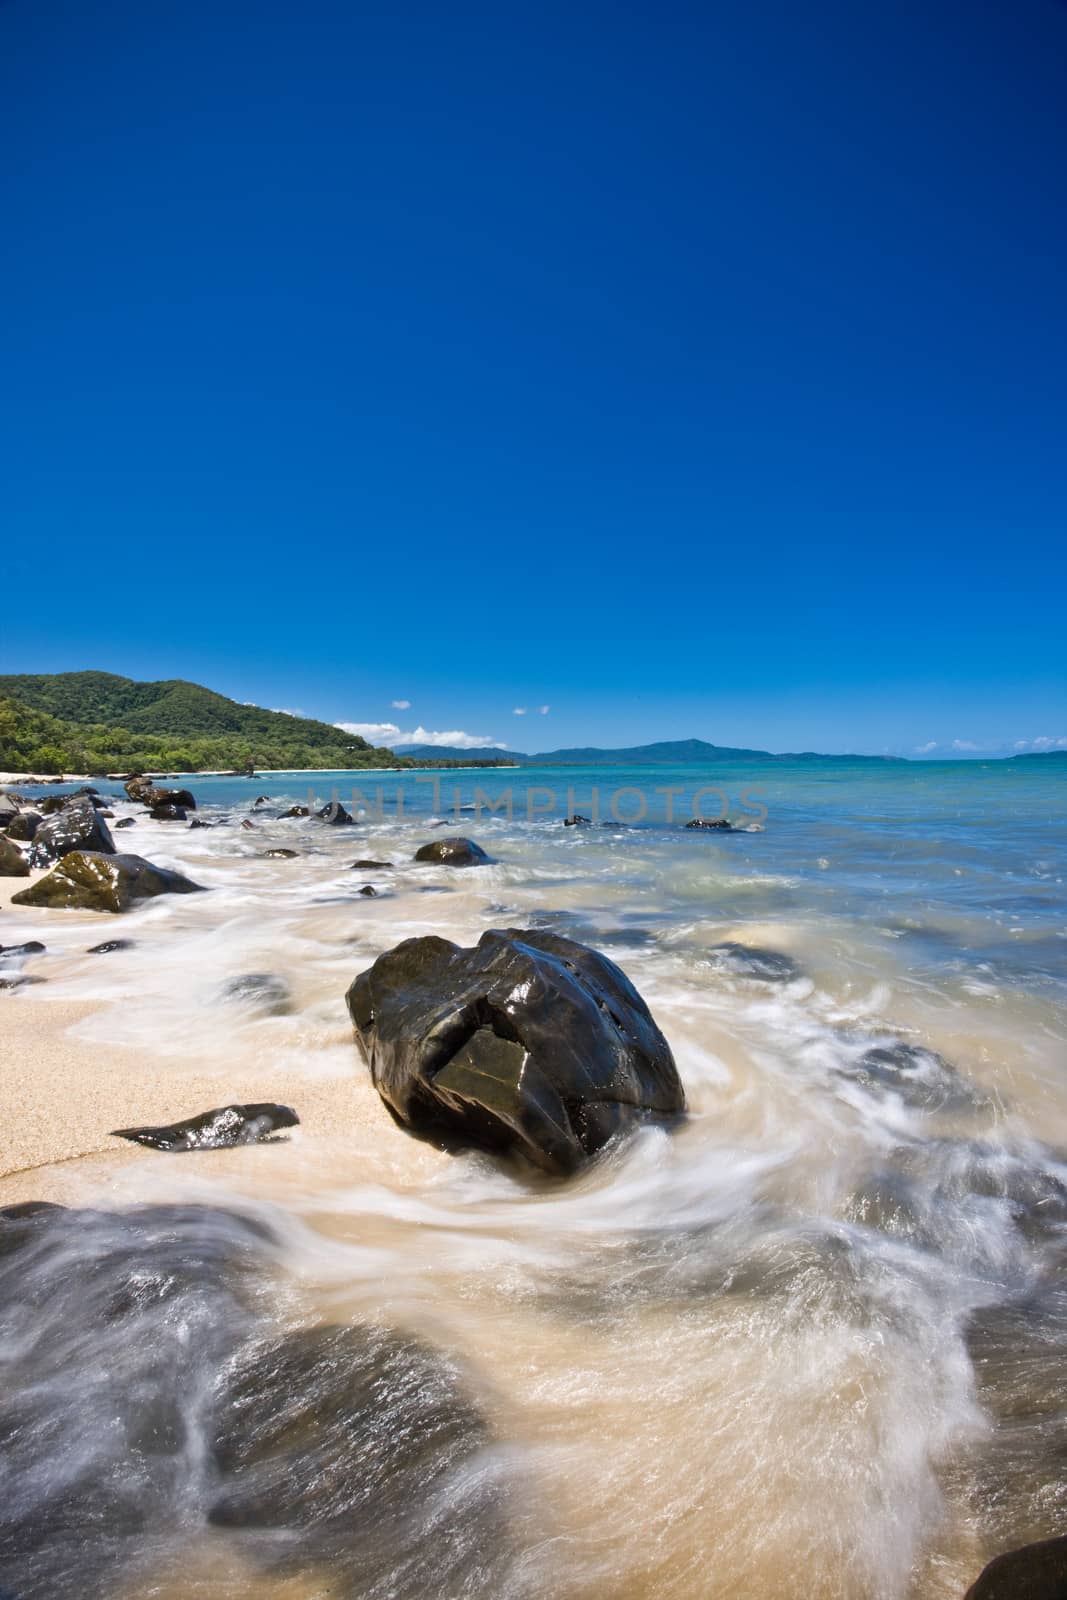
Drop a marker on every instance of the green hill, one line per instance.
(99, 722)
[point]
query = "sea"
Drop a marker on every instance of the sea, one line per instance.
(810, 1342)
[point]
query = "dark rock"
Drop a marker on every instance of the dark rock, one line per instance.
(138, 787)
(88, 881)
(169, 797)
(369, 890)
(126, 822)
(261, 800)
(246, 825)
(260, 991)
(1033, 1572)
(77, 828)
(215, 1130)
(335, 814)
(577, 821)
(370, 866)
(718, 823)
(13, 863)
(529, 1041)
(10, 805)
(296, 811)
(53, 804)
(20, 980)
(280, 854)
(107, 815)
(921, 1078)
(198, 822)
(32, 947)
(358, 1449)
(453, 852)
(23, 826)
(745, 961)
(168, 813)
(109, 945)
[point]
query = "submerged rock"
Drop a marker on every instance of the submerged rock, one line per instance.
(577, 821)
(126, 822)
(280, 854)
(358, 1448)
(453, 852)
(88, 881)
(165, 812)
(720, 824)
(78, 827)
(297, 811)
(1034, 1572)
(370, 866)
(108, 946)
(32, 947)
(260, 991)
(746, 961)
(247, 826)
(13, 863)
(921, 1078)
(529, 1041)
(369, 891)
(220, 1129)
(335, 814)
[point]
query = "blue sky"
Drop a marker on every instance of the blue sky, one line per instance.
(689, 370)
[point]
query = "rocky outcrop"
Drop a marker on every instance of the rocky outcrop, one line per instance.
(77, 827)
(335, 814)
(170, 797)
(1033, 1572)
(138, 786)
(85, 880)
(23, 826)
(215, 1130)
(453, 852)
(13, 863)
(528, 1042)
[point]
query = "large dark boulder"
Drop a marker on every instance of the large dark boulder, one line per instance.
(13, 863)
(529, 1041)
(165, 812)
(77, 827)
(1034, 1572)
(88, 881)
(453, 852)
(138, 786)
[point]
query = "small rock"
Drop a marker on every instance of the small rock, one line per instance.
(32, 947)
(246, 825)
(261, 800)
(370, 891)
(13, 863)
(108, 946)
(718, 824)
(23, 826)
(335, 814)
(215, 1130)
(280, 854)
(453, 852)
(168, 813)
(20, 980)
(127, 822)
(370, 866)
(296, 811)
(577, 821)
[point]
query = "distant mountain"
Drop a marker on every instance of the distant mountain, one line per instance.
(99, 722)
(667, 753)
(1056, 757)
(450, 752)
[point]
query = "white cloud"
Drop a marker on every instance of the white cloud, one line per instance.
(400, 705)
(283, 711)
(389, 733)
(924, 749)
(1022, 744)
(1046, 742)
(963, 744)
(519, 711)
(542, 711)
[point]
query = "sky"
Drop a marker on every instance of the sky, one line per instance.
(544, 375)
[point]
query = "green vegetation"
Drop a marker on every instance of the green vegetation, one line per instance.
(97, 722)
